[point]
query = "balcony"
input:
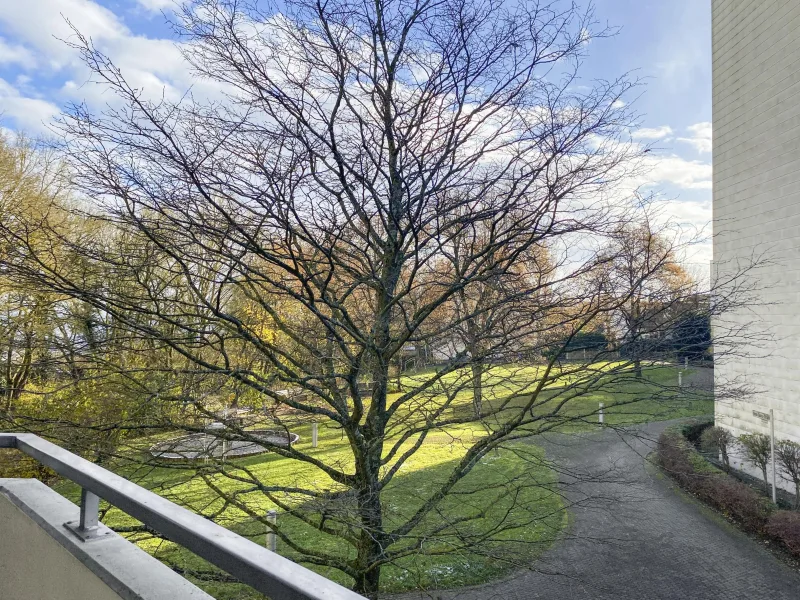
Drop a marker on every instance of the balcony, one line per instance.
(52, 549)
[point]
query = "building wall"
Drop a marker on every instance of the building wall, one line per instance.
(34, 566)
(756, 118)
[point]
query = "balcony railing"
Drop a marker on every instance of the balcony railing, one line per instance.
(267, 572)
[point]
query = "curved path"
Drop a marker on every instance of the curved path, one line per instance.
(635, 537)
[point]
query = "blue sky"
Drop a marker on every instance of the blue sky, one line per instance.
(665, 42)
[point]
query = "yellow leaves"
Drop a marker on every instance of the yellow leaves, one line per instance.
(257, 320)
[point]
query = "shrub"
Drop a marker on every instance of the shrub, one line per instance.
(737, 500)
(787, 453)
(734, 498)
(718, 439)
(757, 449)
(784, 526)
(14, 464)
(694, 429)
(673, 456)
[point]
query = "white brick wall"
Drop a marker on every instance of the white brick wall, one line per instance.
(756, 105)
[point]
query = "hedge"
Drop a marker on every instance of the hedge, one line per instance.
(732, 497)
(749, 508)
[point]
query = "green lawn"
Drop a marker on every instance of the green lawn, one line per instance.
(626, 400)
(513, 489)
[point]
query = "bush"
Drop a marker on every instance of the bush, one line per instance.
(784, 526)
(14, 464)
(787, 453)
(694, 430)
(718, 439)
(673, 456)
(758, 451)
(736, 499)
(732, 497)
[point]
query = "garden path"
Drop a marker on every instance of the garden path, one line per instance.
(635, 537)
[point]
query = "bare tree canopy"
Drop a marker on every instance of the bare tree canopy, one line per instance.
(374, 181)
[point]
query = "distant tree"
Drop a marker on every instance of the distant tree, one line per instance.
(29, 180)
(643, 268)
(497, 308)
(691, 337)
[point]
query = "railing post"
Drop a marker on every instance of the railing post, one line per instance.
(88, 526)
(90, 509)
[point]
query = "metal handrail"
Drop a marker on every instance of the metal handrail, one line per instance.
(269, 573)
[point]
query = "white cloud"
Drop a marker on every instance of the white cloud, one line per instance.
(652, 133)
(16, 54)
(156, 5)
(677, 171)
(154, 66)
(700, 136)
(42, 25)
(28, 114)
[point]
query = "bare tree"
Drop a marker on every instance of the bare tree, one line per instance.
(643, 267)
(787, 453)
(375, 176)
(757, 449)
(491, 309)
(720, 440)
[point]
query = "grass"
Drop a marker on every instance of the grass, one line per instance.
(627, 400)
(512, 493)
(531, 520)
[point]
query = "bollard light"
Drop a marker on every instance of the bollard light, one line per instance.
(272, 539)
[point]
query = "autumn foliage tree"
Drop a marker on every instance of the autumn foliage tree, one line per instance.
(643, 269)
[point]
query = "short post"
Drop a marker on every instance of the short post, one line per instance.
(772, 452)
(600, 414)
(314, 434)
(90, 509)
(680, 378)
(685, 362)
(272, 540)
(88, 527)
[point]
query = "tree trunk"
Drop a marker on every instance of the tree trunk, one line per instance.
(370, 544)
(368, 580)
(637, 368)
(477, 389)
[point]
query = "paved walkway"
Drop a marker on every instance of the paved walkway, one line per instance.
(634, 537)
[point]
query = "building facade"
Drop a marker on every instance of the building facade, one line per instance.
(756, 119)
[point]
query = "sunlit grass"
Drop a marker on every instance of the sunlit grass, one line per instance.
(514, 486)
